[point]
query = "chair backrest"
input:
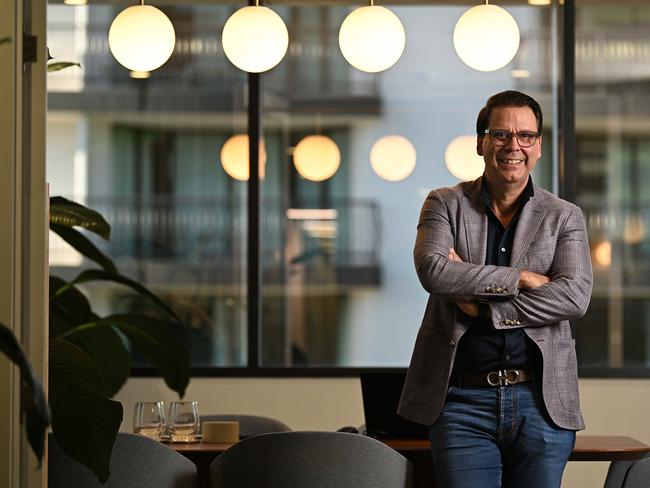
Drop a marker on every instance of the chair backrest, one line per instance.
(250, 424)
(314, 459)
(136, 462)
(638, 476)
(618, 471)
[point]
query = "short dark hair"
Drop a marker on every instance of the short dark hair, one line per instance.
(508, 98)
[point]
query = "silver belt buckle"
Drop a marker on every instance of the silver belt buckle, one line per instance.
(502, 377)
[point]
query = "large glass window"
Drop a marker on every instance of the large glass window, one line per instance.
(338, 284)
(613, 172)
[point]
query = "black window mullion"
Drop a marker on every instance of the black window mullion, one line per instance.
(254, 227)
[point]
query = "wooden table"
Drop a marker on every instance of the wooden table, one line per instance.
(587, 448)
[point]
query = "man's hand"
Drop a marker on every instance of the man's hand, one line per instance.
(528, 279)
(469, 308)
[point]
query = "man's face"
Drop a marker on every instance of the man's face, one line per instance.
(509, 163)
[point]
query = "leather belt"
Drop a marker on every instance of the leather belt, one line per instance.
(502, 377)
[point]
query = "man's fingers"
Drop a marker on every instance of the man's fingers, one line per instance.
(453, 256)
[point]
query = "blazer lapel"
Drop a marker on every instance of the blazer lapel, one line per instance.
(475, 222)
(529, 221)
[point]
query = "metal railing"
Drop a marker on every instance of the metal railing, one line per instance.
(211, 231)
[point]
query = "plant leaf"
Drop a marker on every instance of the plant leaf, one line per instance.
(107, 349)
(68, 213)
(103, 275)
(84, 421)
(59, 65)
(68, 307)
(160, 343)
(83, 245)
(33, 406)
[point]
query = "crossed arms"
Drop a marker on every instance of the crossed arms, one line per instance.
(525, 297)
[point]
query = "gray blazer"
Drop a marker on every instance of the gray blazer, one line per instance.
(550, 239)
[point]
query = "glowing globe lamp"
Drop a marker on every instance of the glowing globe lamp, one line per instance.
(486, 37)
(393, 157)
(372, 38)
(462, 160)
(255, 39)
(141, 38)
(235, 160)
(316, 157)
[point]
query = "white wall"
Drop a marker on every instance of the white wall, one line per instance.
(610, 407)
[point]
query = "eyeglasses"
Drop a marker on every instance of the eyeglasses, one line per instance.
(502, 137)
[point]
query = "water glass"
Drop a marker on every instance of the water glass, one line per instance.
(148, 419)
(183, 421)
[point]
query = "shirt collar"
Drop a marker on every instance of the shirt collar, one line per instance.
(526, 195)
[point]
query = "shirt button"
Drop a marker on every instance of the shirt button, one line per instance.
(507, 357)
(503, 249)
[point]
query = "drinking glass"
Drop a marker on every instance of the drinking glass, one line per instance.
(148, 419)
(183, 421)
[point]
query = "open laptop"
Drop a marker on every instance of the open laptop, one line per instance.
(381, 392)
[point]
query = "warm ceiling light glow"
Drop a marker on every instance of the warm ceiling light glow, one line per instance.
(393, 157)
(312, 214)
(372, 38)
(75, 2)
(462, 160)
(141, 38)
(539, 2)
(634, 229)
(486, 37)
(139, 75)
(255, 39)
(316, 157)
(520, 73)
(603, 254)
(234, 157)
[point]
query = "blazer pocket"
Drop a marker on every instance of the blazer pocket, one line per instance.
(566, 373)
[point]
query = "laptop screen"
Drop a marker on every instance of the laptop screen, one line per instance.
(381, 392)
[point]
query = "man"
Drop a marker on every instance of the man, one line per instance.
(506, 265)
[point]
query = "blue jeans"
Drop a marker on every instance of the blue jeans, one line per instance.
(498, 437)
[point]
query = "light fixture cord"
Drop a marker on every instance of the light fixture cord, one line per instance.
(257, 3)
(141, 3)
(372, 3)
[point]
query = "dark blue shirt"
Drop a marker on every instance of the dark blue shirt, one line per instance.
(483, 348)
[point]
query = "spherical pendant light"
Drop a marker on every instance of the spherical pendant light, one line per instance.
(141, 38)
(393, 157)
(462, 160)
(486, 37)
(255, 39)
(235, 160)
(372, 38)
(316, 157)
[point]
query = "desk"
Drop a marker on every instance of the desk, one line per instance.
(587, 448)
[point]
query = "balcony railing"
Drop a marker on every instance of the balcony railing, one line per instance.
(168, 234)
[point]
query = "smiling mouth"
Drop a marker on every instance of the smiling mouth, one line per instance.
(511, 162)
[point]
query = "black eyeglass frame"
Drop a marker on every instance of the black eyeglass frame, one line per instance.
(498, 142)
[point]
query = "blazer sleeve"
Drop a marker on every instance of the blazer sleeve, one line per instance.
(566, 297)
(451, 280)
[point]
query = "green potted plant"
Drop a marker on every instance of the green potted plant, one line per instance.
(90, 356)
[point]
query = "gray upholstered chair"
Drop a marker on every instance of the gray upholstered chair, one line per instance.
(618, 475)
(313, 459)
(638, 476)
(250, 424)
(136, 462)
